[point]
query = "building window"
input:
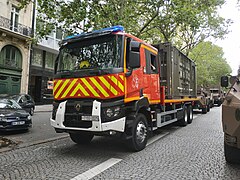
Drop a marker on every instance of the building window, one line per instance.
(50, 59)
(11, 57)
(37, 58)
(14, 18)
(59, 33)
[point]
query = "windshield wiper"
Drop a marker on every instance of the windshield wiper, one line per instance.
(63, 70)
(98, 72)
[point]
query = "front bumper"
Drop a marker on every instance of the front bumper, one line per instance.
(8, 126)
(93, 125)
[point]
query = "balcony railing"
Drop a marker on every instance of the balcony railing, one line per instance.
(19, 28)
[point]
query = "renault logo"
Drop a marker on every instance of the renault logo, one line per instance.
(78, 107)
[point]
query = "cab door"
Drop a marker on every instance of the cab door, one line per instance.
(152, 70)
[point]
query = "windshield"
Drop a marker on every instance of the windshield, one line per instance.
(96, 53)
(9, 104)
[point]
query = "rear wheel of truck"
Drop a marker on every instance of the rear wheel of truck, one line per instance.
(81, 137)
(138, 140)
(189, 114)
(208, 108)
(231, 154)
(204, 110)
(184, 120)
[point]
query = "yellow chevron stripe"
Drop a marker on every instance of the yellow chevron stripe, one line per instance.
(90, 87)
(121, 76)
(61, 89)
(115, 81)
(79, 86)
(99, 87)
(69, 88)
(106, 83)
(75, 90)
(56, 86)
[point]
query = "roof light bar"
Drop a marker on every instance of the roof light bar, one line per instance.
(109, 29)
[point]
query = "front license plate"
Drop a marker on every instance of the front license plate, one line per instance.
(18, 123)
(90, 118)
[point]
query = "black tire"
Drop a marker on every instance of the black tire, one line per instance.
(184, 120)
(204, 110)
(232, 154)
(189, 114)
(81, 137)
(139, 133)
(31, 111)
(208, 108)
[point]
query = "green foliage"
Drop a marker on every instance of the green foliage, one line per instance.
(184, 23)
(211, 64)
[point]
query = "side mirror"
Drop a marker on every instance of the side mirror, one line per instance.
(134, 59)
(135, 46)
(224, 81)
(134, 54)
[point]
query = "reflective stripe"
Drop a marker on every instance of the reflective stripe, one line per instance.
(99, 87)
(61, 89)
(69, 88)
(90, 87)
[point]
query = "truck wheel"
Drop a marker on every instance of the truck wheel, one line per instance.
(81, 137)
(184, 120)
(138, 140)
(208, 108)
(231, 154)
(204, 110)
(189, 114)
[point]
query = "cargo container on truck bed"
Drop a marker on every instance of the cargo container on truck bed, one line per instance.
(108, 82)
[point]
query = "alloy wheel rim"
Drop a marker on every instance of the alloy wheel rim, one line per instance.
(141, 132)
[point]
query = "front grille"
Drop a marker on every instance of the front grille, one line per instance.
(17, 118)
(85, 109)
(74, 120)
(73, 115)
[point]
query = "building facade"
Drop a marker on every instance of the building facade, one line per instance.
(42, 67)
(15, 45)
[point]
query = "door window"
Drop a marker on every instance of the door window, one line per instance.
(151, 62)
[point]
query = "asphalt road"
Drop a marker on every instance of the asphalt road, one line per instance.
(191, 152)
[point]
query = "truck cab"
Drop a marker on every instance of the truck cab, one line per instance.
(231, 119)
(217, 95)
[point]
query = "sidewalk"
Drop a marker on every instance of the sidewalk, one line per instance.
(43, 108)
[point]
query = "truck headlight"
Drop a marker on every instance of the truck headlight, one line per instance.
(113, 112)
(29, 117)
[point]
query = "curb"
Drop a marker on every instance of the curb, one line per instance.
(24, 145)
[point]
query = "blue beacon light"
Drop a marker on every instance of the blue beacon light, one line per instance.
(112, 29)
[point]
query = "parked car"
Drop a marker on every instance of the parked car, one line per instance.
(25, 101)
(12, 116)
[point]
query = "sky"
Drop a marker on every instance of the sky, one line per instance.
(231, 44)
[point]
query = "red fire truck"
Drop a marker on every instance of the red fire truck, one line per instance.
(108, 82)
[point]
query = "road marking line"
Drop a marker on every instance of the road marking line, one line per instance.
(97, 169)
(155, 138)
